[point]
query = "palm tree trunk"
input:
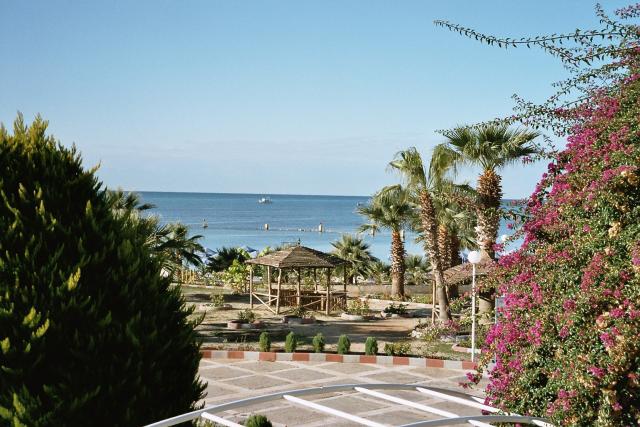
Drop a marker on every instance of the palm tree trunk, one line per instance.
(397, 264)
(454, 259)
(444, 242)
(490, 193)
(430, 230)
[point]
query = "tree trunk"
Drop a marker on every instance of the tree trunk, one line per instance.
(454, 257)
(445, 240)
(490, 193)
(430, 230)
(397, 264)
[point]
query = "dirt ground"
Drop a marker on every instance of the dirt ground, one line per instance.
(215, 334)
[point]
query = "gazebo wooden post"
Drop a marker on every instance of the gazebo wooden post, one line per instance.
(278, 291)
(251, 287)
(315, 280)
(299, 289)
(328, 305)
(269, 282)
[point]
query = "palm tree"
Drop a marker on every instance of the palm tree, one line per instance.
(417, 268)
(224, 258)
(489, 147)
(170, 243)
(456, 231)
(423, 186)
(379, 272)
(390, 209)
(176, 248)
(356, 253)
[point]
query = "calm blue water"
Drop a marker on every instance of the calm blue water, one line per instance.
(238, 219)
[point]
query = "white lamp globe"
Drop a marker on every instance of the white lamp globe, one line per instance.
(504, 238)
(474, 257)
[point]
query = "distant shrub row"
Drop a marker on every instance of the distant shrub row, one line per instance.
(343, 346)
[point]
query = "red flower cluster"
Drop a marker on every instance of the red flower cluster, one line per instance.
(566, 346)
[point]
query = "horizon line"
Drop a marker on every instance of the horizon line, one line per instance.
(269, 194)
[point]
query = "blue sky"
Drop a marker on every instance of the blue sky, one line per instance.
(269, 96)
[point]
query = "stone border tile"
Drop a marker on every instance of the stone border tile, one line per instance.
(252, 355)
(317, 357)
(340, 358)
(384, 360)
(284, 357)
(351, 358)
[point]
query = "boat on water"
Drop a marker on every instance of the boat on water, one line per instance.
(264, 200)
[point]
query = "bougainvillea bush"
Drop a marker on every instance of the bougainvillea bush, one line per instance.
(567, 345)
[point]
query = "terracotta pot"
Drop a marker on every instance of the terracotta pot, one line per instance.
(235, 324)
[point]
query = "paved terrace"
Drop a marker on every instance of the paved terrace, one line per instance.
(230, 380)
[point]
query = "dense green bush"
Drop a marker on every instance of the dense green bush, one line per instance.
(90, 332)
(318, 343)
(371, 346)
(265, 341)
(258, 421)
(291, 342)
(343, 344)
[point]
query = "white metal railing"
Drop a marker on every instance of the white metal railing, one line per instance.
(292, 396)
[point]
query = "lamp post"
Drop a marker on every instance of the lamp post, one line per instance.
(474, 258)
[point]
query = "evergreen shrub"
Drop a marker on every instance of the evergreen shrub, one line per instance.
(318, 343)
(90, 331)
(291, 342)
(258, 421)
(265, 341)
(343, 344)
(371, 346)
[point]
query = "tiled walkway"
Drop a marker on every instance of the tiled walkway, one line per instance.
(230, 380)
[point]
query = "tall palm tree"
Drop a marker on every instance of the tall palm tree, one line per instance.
(489, 147)
(390, 209)
(422, 187)
(356, 253)
(456, 231)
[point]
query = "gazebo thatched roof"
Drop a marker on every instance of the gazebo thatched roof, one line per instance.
(298, 257)
(463, 272)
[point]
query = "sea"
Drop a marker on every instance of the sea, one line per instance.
(239, 220)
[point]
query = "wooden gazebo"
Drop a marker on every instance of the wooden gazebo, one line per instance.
(297, 258)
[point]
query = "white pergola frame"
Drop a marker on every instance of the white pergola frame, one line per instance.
(292, 396)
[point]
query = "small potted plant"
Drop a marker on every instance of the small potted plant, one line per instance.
(299, 315)
(246, 320)
(395, 310)
(217, 301)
